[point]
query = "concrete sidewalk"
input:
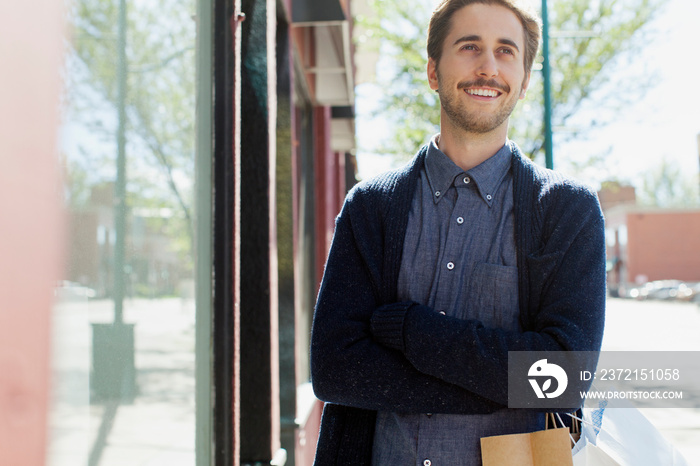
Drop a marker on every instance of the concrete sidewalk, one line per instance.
(660, 326)
(158, 427)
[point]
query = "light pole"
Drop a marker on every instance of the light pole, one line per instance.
(120, 184)
(548, 145)
(114, 370)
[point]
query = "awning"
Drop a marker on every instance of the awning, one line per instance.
(328, 64)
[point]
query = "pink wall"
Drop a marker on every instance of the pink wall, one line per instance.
(664, 245)
(31, 225)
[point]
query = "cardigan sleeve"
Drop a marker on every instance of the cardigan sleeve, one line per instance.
(348, 366)
(567, 307)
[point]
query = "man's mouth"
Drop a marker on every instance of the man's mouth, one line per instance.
(484, 88)
(483, 92)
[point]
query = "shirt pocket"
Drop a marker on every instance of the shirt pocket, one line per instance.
(493, 296)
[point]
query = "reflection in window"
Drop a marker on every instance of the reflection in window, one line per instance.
(124, 320)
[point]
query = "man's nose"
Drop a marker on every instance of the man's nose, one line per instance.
(488, 67)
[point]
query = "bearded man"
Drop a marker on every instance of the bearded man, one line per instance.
(438, 269)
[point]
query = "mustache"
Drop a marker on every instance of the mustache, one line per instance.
(484, 83)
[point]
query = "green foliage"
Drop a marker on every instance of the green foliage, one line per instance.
(160, 82)
(397, 30)
(588, 41)
(667, 185)
(160, 112)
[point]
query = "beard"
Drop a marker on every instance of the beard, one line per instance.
(474, 121)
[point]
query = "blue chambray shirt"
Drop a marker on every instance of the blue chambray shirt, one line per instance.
(459, 257)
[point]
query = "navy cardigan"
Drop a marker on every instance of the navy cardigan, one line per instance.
(370, 353)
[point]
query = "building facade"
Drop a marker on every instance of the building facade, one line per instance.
(646, 244)
(207, 147)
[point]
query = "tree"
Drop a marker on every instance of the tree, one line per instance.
(668, 186)
(397, 31)
(160, 111)
(589, 40)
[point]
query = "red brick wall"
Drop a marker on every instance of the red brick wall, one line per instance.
(664, 245)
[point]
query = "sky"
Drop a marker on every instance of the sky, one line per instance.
(663, 122)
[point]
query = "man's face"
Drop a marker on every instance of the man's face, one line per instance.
(481, 74)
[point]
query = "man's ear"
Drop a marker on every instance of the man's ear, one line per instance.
(432, 74)
(526, 84)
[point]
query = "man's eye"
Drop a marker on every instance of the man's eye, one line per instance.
(507, 51)
(469, 47)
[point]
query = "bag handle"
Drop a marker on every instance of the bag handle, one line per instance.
(554, 417)
(585, 422)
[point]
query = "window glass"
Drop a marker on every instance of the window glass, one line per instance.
(124, 320)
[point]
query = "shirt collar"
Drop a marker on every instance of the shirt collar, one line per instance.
(442, 172)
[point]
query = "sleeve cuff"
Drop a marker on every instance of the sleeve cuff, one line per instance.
(387, 324)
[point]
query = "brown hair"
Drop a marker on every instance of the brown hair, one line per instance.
(439, 26)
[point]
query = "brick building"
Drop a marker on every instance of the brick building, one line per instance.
(648, 244)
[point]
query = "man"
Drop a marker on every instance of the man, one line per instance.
(439, 269)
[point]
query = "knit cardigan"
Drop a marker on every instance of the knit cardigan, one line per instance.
(370, 353)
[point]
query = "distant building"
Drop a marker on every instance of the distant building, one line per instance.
(614, 194)
(646, 244)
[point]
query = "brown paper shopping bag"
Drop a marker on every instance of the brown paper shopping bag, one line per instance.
(550, 447)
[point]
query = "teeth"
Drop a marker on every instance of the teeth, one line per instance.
(483, 92)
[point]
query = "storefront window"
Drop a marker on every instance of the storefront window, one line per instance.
(124, 322)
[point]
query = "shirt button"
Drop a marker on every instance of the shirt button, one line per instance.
(488, 196)
(467, 180)
(460, 220)
(442, 313)
(427, 463)
(450, 265)
(437, 193)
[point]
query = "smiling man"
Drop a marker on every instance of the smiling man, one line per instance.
(439, 269)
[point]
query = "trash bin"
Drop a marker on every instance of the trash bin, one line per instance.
(113, 368)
